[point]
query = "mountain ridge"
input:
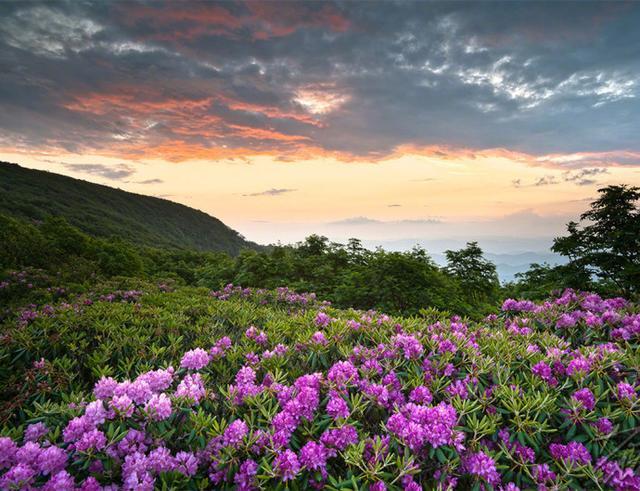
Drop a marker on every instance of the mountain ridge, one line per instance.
(104, 211)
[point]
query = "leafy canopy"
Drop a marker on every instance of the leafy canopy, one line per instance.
(607, 246)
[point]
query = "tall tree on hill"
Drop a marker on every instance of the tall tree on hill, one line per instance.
(477, 276)
(608, 245)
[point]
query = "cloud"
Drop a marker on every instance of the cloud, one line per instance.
(545, 181)
(555, 83)
(580, 177)
(582, 200)
(362, 220)
(117, 172)
(272, 192)
(150, 181)
(355, 221)
(622, 158)
(540, 182)
(584, 177)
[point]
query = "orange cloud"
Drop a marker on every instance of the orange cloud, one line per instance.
(262, 20)
(264, 134)
(269, 111)
(143, 109)
(180, 151)
(105, 103)
(189, 129)
(277, 21)
(617, 158)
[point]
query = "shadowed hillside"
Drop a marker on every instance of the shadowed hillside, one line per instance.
(103, 211)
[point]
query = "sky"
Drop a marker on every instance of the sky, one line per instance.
(395, 122)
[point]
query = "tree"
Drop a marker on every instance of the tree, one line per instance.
(118, 258)
(608, 246)
(314, 245)
(540, 280)
(477, 276)
(20, 244)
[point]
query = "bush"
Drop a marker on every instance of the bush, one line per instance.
(142, 385)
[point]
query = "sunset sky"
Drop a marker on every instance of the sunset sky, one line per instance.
(392, 122)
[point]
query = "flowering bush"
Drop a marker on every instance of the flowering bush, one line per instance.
(248, 389)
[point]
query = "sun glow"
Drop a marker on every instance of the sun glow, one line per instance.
(321, 99)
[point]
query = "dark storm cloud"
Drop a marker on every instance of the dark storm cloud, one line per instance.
(222, 80)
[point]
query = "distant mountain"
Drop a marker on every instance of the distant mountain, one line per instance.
(103, 211)
(510, 255)
(508, 265)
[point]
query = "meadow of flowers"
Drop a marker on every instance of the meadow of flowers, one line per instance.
(149, 386)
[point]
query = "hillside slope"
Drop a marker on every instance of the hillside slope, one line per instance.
(145, 387)
(103, 211)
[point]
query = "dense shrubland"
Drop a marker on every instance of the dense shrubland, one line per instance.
(129, 367)
(141, 385)
(603, 257)
(348, 275)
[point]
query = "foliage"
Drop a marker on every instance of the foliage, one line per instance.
(609, 245)
(541, 279)
(105, 212)
(348, 275)
(351, 276)
(477, 276)
(144, 385)
(604, 253)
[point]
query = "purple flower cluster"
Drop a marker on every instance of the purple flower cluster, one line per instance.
(220, 348)
(512, 305)
(286, 465)
(158, 407)
(543, 370)
(191, 388)
(616, 477)
(626, 391)
(245, 385)
(281, 295)
(35, 432)
(483, 466)
(343, 373)
(256, 335)
(235, 433)
(572, 313)
(195, 359)
(579, 367)
(338, 439)
(418, 425)
(322, 319)
(28, 462)
(313, 456)
(337, 407)
(585, 398)
(319, 338)
(574, 452)
(410, 346)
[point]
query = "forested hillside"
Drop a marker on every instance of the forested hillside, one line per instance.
(102, 211)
